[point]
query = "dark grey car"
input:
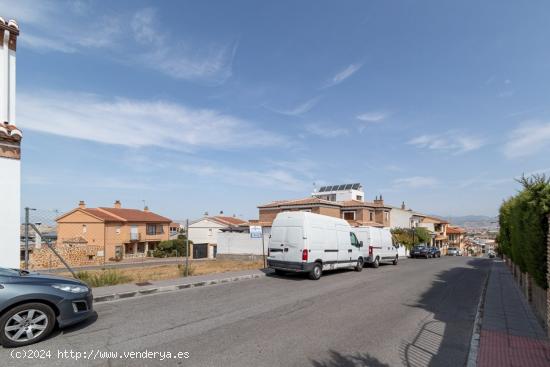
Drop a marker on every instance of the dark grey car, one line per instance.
(31, 304)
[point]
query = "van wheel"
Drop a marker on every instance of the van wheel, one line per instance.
(316, 272)
(359, 265)
(376, 263)
(396, 260)
(26, 324)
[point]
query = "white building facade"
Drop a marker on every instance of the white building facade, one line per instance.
(10, 150)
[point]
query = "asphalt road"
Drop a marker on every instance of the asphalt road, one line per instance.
(418, 313)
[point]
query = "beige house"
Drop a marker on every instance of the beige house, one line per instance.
(456, 237)
(121, 232)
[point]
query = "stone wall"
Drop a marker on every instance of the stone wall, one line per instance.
(44, 257)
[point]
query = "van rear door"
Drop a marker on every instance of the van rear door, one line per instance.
(286, 244)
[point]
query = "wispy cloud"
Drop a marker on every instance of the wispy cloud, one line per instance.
(325, 131)
(375, 116)
(273, 178)
(132, 38)
(138, 123)
(414, 182)
(297, 110)
(529, 138)
(451, 141)
(343, 74)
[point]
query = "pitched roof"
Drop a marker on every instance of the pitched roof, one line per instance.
(455, 230)
(364, 223)
(298, 202)
(102, 215)
(135, 215)
(434, 220)
(232, 221)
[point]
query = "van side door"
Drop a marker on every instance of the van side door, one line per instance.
(355, 247)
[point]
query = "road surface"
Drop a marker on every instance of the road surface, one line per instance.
(418, 313)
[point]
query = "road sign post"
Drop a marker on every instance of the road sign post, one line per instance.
(257, 232)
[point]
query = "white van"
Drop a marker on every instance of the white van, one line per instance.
(378, 245)
(312, 243)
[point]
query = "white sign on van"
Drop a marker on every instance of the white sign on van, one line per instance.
(256, 232)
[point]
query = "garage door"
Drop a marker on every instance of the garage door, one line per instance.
(200, 251)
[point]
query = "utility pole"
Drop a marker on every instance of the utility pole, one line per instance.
(187, 247)
(27, 210)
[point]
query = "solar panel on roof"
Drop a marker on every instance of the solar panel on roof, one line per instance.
(342, 187)
(322, 189)
(355, 186)
(348, 186)
(335, 188)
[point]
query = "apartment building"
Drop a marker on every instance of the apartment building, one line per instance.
(123, 233)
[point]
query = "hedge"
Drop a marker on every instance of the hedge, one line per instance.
(523, 223)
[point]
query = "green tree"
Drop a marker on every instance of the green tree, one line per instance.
(172, 248)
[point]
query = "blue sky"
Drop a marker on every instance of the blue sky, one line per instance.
(217, 105)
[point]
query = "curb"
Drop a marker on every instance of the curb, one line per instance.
(474, 341)
(173, 288)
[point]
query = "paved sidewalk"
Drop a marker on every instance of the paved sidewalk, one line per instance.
(510, 333)
(109, 293)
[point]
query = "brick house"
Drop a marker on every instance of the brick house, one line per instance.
(123, 233)
(356, 212)
(456, 237)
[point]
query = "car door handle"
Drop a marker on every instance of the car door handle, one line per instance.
(286, 249)
(350, 250)
(1, 286)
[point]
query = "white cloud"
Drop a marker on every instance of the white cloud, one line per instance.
(415, 182)
(124, 35)
(298, 110)
(343, 74)
(373, 116)
(451, 141)
(138, 123)
(529, 138)
(273, 178)
(325, 131)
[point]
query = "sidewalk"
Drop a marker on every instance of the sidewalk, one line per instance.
(510, 333)
(120, 291)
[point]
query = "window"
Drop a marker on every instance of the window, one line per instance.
(349, 215)
(84, 228)
(359, 198)
(354, 241)
(117, 229)
(371, 216)
(153, 229)
(387, 215)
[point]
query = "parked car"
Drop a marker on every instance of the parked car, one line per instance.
(377, 245)
(31, 304)
(420, 251)
(434, 252)
(453, 251)
(312, 243)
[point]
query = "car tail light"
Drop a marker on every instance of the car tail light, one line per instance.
(304, 255)
(370, 250)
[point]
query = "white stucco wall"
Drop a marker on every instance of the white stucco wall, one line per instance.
(233, 243)
(10, 212)
(400, 218)
(204, 231)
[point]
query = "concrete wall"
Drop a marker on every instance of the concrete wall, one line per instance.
(10, 212)
(205, 231)
(233, 243)
(400, 218)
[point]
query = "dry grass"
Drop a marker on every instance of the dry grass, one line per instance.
(161, 272)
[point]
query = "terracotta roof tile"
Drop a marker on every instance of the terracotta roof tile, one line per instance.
(455, 230)
(102, 215)
(232, 221)
(297, 202)
(135, 215)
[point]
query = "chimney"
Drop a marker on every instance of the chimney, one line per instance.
(221, 212)
(403, 205)
(206, 214)
(146, 209)
(82, 204)
(379, 200)
(118, 205)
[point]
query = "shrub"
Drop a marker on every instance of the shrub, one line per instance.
(108, 277)
(182, 269)
(524, 227)
(171, 248)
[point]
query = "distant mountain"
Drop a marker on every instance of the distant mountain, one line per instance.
(474, 221)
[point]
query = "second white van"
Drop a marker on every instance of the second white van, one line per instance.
(378, 245)
(312, 243)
